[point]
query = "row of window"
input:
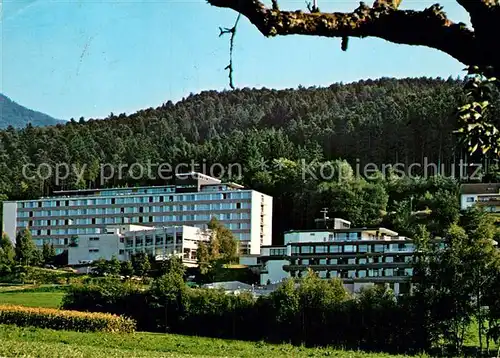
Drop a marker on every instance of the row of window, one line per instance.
(137, 199)
(149, 240)
(277, 252)
(91, 231)
(321, 249)
(389, 272)
(40, 242)
(135, 210)
(124, 220)
(356, 260)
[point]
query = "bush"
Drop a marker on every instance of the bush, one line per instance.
(64, 320)
(110, 295)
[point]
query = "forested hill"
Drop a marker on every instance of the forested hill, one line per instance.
(381, 121)
(13, 114)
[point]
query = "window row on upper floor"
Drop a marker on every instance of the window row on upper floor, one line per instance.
(136, 209)
(135, 219)
(320, 249)
(52, 203)
(91, 231)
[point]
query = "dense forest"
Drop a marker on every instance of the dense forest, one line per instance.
(15, 115)
(384, 121)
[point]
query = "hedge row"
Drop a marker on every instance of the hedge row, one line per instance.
(25, 274)
(64, 320)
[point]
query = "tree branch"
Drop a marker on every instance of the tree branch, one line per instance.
(430, 27)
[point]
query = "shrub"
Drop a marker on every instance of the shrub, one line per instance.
(110, 295)
(64, 320)
(24, 274)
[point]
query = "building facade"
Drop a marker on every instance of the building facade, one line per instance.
(485, 195)
(126, 240)
(192, 201)
(360, 257)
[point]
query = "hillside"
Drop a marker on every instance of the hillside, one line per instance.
(13, 114)
(384, 121)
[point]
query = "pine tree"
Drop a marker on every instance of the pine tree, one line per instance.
(48, 253)
(25, 248)
(114, 266)
(7, 254)
(126, 268)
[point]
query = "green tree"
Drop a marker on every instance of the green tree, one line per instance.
(173, 264)
(126, 268)
(454, 282)
(25, 248)
(37, 259)
(7, 253)
(166, 296)
(114, 266)
(100, 267)
(220, 250)
(141, 264)
(223, 245)
(48, 253)
(483, 263)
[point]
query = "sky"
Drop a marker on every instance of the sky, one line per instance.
(89, 58)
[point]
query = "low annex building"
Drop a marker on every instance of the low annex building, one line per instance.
(125, 240)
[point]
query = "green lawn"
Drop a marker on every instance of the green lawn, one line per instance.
(45, 296)
(34, 342)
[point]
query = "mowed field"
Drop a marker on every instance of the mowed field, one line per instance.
(33, 342)
(44, 296)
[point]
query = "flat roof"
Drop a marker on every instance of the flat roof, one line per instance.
(363, 229)
(110, 189)
(480, 188)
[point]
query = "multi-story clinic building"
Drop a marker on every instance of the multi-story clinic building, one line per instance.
(358, 256)
(192, 201)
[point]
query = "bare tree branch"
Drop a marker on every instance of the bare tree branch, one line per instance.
(429, 27)
(232, 32)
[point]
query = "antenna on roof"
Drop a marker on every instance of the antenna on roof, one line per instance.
(324, 212)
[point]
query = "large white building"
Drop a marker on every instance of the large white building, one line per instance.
(126, 240)
(358, 256)
(193, 200)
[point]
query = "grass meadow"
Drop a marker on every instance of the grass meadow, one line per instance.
(31, 296)
(35, 342)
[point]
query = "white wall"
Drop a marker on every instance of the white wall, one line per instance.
(464, 204)
(9, 224)
(108, 245)
(255, 223)
(248, 260)
(317, 236)
(275, 272)
(268, 220)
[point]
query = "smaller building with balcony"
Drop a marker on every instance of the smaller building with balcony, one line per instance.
(358, 256)
(126, 240)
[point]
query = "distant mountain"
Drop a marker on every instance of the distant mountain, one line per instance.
(13, 114)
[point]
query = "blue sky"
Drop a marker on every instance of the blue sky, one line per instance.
(89, 58)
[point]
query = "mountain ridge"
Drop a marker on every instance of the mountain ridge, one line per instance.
(18, 116)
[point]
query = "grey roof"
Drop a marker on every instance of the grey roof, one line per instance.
(480, 188)
(229, 285)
